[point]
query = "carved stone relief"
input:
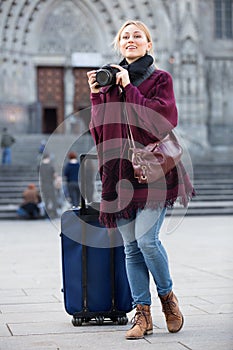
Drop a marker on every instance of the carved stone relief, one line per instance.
(66, 30)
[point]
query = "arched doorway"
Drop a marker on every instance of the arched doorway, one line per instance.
(50, 87)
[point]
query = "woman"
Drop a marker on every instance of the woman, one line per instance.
(138, 210)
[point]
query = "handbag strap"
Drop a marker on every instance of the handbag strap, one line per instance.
(129, 133)
(149, 71)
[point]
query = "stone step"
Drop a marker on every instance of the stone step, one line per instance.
(204, 208)
(15, 187)
(22, 175)
(14, 179)
(212, 198)
(11, 192)
(213, 170)
(202, 212)
(209, 191)
(219, 181)
(213, 184)
(214, 189)
(13, 201)
(209, 204)
(212, 167)
(218, 186)
(8, 211)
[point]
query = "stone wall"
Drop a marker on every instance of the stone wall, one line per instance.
(49, 32)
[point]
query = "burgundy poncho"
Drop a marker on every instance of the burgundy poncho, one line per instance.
(152, 114)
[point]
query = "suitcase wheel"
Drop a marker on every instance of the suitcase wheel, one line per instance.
(99, 320)
(77, 322)
(122, 320)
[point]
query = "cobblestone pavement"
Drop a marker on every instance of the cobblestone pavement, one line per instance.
(32, 314)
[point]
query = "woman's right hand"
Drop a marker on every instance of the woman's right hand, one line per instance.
(92, 81)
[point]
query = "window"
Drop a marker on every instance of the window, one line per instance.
(223, 19)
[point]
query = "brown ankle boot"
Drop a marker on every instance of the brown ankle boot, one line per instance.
(142, 323)
(174, 317)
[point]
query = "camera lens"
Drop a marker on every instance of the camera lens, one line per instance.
(103, 77)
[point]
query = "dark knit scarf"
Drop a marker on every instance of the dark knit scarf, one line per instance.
(139, 70)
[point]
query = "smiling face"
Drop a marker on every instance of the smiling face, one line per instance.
(133, 43)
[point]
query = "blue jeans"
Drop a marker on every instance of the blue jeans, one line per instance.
(145, 253)
(74, 192)
(6, 155)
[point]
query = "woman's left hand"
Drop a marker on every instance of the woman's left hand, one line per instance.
(122, 77)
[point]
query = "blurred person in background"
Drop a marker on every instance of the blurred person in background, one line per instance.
(47, 177)
(71, 172)
(41, 150)
(6, 142)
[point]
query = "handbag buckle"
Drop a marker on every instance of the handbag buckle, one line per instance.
(144, 176)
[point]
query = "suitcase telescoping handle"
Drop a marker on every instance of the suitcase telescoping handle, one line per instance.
(83, 184)
(83, 175)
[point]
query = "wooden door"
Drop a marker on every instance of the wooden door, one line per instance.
(82, 95)
(50, 82)
(81, 89)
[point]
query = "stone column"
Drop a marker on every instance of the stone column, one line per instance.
(68, 98)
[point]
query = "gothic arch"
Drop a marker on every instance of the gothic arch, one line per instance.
(23, 20)
(66, 27)
(189, 50)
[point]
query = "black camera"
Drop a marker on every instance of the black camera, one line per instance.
(106, 75)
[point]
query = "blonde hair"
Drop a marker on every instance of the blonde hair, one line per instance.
(141, 26)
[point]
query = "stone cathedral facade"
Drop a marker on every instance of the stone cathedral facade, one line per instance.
(47, 46)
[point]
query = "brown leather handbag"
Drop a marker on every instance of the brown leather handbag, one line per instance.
(155, 160)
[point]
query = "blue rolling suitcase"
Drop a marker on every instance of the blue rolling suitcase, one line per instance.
(95, 284)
